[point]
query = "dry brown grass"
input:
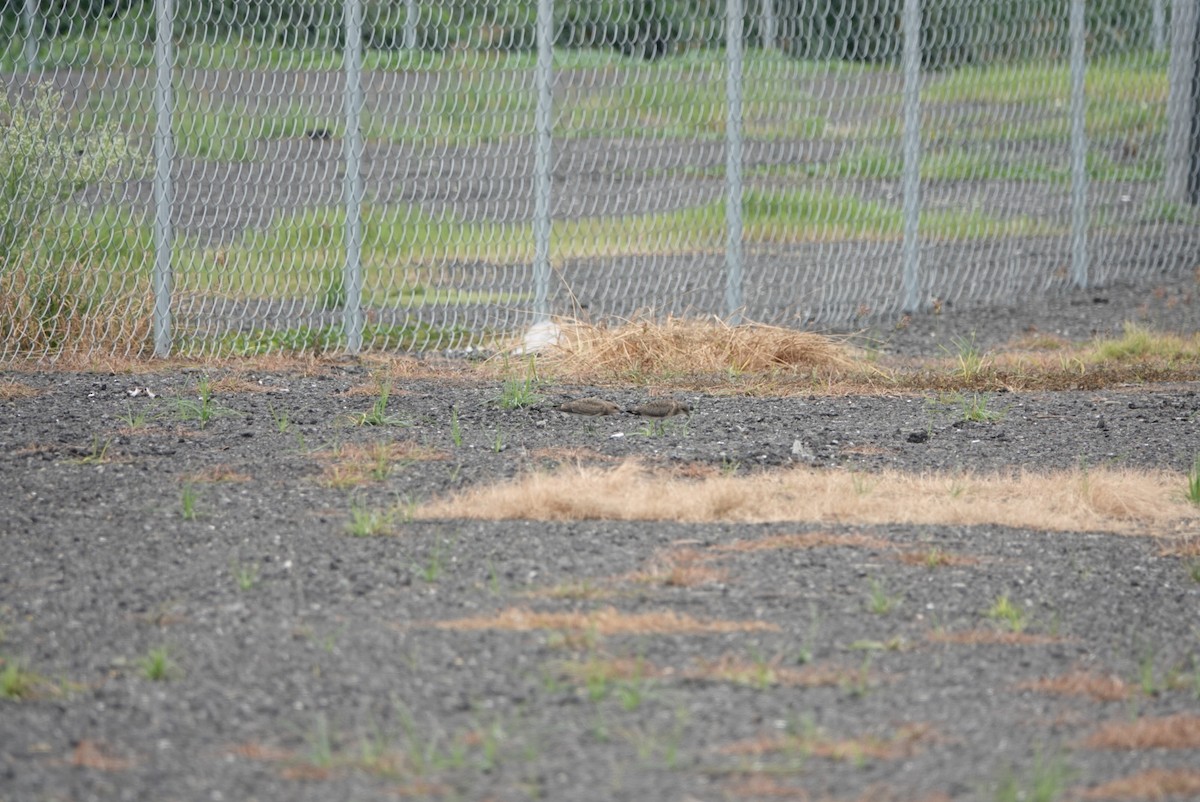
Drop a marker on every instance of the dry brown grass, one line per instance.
(903, 743)
(1172, 732)
(679, 568)
(605, 621)
(355, 464)
(806, 540)
(643, 348)
(1151, 784)
(11, 390)
(1187, 546)
(1105, 500)
(91, 754)
(1102, 687)
(990, 637)
(935, 558)
(767, 673)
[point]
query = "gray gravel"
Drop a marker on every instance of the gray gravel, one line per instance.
(284, 690)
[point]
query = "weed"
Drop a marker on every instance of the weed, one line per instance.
(971, 361)
(498, 442)
(431, 571)
(975, 409)
(282, 423)
(201, 409)
(320, 744)
(519, 392)
(157, 665)
(1006, 612)
(381, 462)
(187, 502)
(99, 453)
(378, 415)
(1193, 486)
(1193, 569)
(245, 575)
(881, 603)
(367, 522)
(455, 429)
(1046, 783)
(17, 682)
(134, 422)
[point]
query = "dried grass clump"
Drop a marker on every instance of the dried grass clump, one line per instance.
(605, 621)
(1152, 784)
(688, 347)
(1099, 500)
(1102, 687)
(1172, 732)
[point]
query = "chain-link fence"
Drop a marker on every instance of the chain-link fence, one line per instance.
(241, 177)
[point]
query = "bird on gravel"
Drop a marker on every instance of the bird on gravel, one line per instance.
(589, 406)
(663, 408)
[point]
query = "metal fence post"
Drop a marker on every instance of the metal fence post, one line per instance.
(770, 25)
(352, 323)
(32, 33)
(1158, 26)
(734, 13)
(1185, 16)
(911, 176)
(1079, 178)
(410, 24)
(164, 156)
(543, 166)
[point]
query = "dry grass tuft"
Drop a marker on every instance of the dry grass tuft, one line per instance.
(766, 673)
(90, 754)
(901, 744)
(687, 346)
(1099, 500)
(807, 540)
(1151, 784)
(1172, 732)
(355, 464)
(1188, 546)
(679, 568)
(241, 384)
(605, 621)
(1102, 687)
(935, 558)
(990, 637)
(11, 390)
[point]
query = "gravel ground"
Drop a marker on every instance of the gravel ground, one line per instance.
(303, 662)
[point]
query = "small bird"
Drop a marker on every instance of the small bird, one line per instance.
(589, 406)
(663, 408)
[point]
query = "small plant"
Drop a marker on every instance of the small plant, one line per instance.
(432, 569)
(320, 744)
(134, 422)
(1004, 611)
(17, 682)
(245, 575)
(382, 463)
(368, 523)
(187, 502)
(99, 453)
(201, 409)
(971, 361)
(1193, 486)
(1193, 569)
(282, 423)
(498, 442)
(975, 409)
(1046, 783)
(521, 392)
(881, 603)
(378, 415)
(157, 665)
(455, 430)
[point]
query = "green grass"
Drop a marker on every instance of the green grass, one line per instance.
(365, 522)
(1193, 482)
(378, 414)
(321, 339)
(157, 665)
(17, 681)
(1006, 612)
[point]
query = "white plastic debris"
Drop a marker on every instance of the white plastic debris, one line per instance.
(539, 337)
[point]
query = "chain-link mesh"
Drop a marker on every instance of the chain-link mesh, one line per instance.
(258, 195)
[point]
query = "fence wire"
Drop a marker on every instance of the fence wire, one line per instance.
(445, 148)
